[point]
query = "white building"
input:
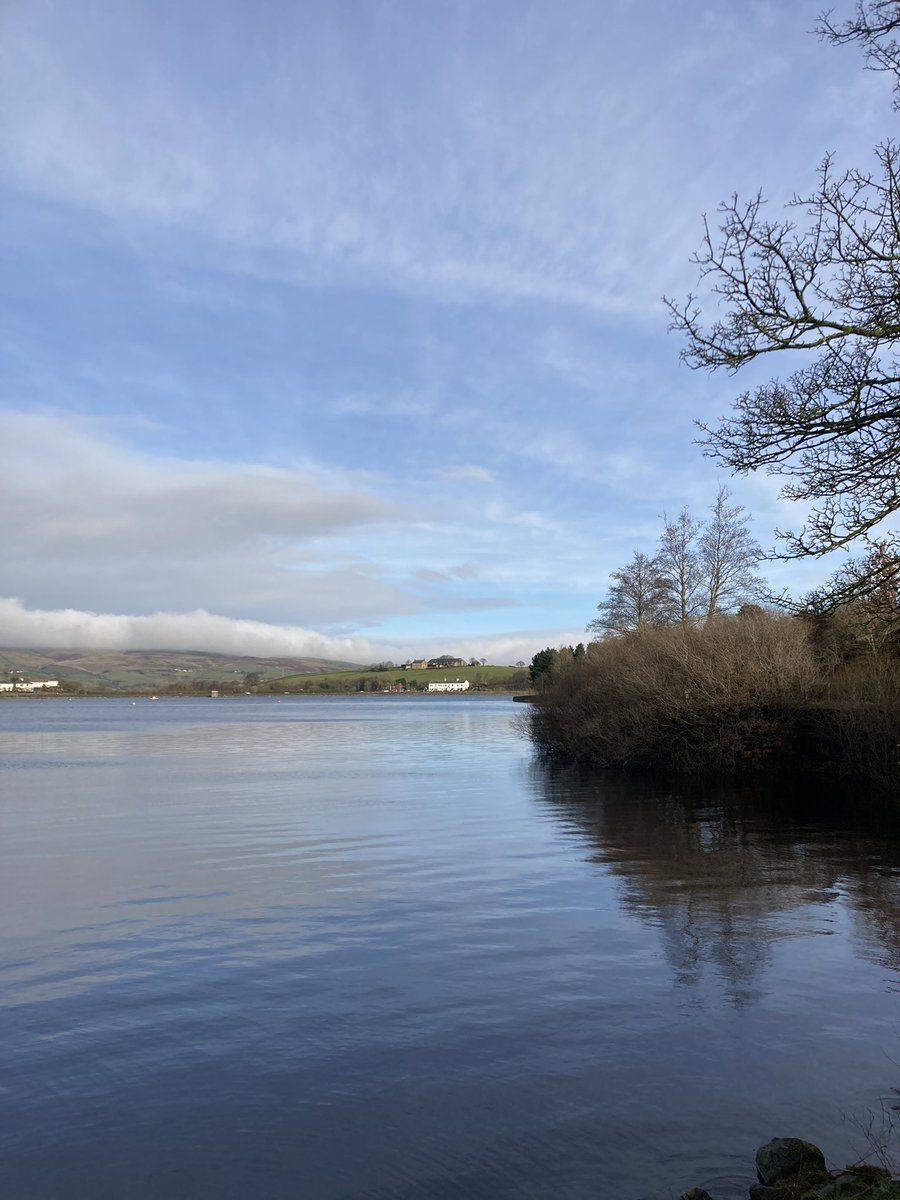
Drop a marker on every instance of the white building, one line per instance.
(449, 685)
(29, 685)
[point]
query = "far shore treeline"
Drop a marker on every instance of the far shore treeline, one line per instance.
(198, 673)
(380, 677)
(377, 678)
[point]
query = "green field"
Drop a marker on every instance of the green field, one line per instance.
(499, 679)
(152, 670)
(175, 672)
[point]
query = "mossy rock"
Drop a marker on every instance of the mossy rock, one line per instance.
(761, 1191)
(803, 1183)
(791, 1163)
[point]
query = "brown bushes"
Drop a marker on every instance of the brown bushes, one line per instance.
(739, 693)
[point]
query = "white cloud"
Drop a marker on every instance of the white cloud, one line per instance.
(200, 630)
(466, 474)
(91, 524)
(73, 629)
(62, 489)
(398, 406)
(90, 520)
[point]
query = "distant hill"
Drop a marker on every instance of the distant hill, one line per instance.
(108, 670)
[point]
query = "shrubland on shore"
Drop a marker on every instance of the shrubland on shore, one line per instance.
(756, 690)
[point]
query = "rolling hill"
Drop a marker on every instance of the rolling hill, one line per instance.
(111, 670)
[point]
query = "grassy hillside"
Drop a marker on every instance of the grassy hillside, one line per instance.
(481, 678)
(127, 670)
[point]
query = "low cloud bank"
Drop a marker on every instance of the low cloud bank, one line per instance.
(199, 630)
(71, 629)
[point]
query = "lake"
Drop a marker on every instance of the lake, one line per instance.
(369, 947)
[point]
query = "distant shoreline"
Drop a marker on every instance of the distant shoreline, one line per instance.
(310, 695)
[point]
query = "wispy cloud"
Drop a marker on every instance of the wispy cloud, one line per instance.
(482, 169)
(465, 474)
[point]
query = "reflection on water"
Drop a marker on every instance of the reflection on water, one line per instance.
(367, 947)
(726, 871)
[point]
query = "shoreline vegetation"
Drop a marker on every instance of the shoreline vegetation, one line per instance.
(756, 691)
(198, 673)
(215, 694)
(482, 679)
(794, 1169)
(392, 680)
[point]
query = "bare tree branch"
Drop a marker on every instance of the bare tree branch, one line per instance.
(824, 283)
(873, 24)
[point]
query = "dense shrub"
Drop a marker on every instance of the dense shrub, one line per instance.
(748, 692)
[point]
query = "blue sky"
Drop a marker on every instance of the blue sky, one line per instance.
(336, 327)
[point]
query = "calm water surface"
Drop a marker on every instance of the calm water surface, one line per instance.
(369, 948)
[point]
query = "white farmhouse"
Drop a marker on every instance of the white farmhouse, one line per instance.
(29, 685)
(449, 685)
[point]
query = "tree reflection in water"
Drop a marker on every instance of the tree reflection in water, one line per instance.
(725, 870)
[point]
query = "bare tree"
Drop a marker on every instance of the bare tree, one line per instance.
(729, 556)
(678, 558)
(873, 25)
(823, 280)
(638, 597)
(879, 597)
(701, 568)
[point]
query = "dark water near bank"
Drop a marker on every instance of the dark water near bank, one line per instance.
(369, 948)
